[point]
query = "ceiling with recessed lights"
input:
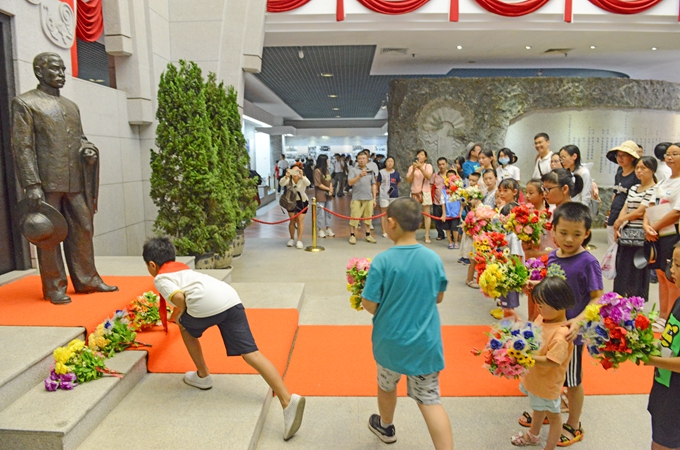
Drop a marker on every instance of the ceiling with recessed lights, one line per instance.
(331, 82)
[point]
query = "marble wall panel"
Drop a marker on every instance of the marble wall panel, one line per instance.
(113, 243)
(111, 213)
(136, 235)
(160, 34)
(134, 203)
(131, 160)
(195, 41)
(110, 167)
(182, 10)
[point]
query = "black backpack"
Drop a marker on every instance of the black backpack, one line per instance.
(288, 199)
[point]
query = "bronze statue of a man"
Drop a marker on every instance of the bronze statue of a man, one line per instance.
(58, 165)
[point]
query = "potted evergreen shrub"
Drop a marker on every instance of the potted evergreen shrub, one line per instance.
(186, 183)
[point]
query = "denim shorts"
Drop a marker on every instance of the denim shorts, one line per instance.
(542, 404)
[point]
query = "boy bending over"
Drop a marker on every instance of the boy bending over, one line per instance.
(402, 290)
(201, 302)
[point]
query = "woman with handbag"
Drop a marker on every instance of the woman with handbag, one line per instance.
(667, 191)
(631, 281)
(298, 183)
(419, 175)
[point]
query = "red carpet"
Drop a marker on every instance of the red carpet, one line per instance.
(338, 361)
(22, 304)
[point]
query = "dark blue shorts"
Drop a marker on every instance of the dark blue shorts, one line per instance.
(233, 325)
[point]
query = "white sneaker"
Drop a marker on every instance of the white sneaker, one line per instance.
(292, 416)
(329, 232)
(192, 379)
(371, 227)
(291, 243)
(299, 245)
(322, 234)
(384, 235)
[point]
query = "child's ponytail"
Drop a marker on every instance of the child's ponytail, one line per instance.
(578, 185)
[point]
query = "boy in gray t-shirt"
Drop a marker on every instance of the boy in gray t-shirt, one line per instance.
(363, 196)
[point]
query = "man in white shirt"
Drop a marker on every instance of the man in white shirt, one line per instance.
(283, 166)
(373, 168)
(542, 146)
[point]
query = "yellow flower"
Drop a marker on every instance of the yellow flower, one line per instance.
(62, 354)
(60, 368)
(76, 345)
(349, 287)
(593, 312)
(101, 342)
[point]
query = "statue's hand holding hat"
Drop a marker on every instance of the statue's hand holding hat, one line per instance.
(44, 227)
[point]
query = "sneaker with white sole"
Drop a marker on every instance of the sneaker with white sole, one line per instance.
(291, 243)
(299, 245)
(292, 416)
(192, 379)
(384, 235)
(386, 434)
(352, 239)
(371, 227)
(329, 232)
(371, 240)
(322, 234)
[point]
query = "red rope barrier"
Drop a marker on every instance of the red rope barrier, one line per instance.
(352, 218)
(282, 221)
(434, 217)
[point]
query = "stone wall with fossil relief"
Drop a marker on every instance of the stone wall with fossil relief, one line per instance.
(443, 115)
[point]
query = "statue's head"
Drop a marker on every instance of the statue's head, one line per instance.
(49, 69)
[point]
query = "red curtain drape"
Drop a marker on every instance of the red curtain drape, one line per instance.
(453, 11)
(385, 7)
(625, 7)
(511, 9)
(90, 22)
(275, 6)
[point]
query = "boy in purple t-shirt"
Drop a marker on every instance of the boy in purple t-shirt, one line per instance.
(571, 232)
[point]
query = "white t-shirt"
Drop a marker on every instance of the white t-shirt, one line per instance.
(204, 295)
(668, 192)
(543, 164)
(508, 171)
(586, 194)
(663, 172)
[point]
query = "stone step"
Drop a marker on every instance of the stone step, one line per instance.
(26, 355)
(63, 419)
(162, 412)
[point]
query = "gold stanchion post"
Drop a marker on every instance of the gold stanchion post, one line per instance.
(314, 248)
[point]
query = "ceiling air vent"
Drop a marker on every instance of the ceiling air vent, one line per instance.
(557, 51)
(389, 51)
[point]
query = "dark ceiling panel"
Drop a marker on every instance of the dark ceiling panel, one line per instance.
(299, 83)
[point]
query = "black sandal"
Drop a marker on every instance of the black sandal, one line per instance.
(525, 420)
(577, 435)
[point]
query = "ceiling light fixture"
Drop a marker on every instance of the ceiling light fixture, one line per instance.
(338, 116)
(528, 47)
(653, 49)
(592, 47)
(332, 95)
(327, 75)
(460, 47)
(336, 109)
(301, 54)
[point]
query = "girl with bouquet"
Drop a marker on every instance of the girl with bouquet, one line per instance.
(543, 383)
(664, 399)
(509, 302)
(571, 231)
(535, 196)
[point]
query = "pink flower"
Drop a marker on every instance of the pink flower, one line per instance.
(518, 229)
(528, 230)
(352, 262)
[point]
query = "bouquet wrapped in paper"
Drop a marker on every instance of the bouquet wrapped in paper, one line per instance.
(482, 218)
(508, 354)
(357, 271)
(617, 330)
(454, 187)
(527, 223)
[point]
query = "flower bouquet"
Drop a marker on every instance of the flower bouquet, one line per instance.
(538, 269)
(617, 330)
(357, 271)
(454, 187)
(487, 246)
(472, 193)
(508, 354)
(527, 223)
(482, 218)
(113, 335)
(499, 278)
(76, 364)
(143, 312)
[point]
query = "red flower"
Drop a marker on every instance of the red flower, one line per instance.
(607, 364)
(534, 219)
(548, 226)
(641, 322)
(609, 324)
(616, 332)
